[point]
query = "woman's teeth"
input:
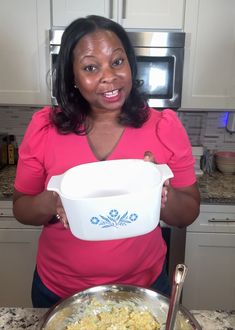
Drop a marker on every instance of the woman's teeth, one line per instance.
(111, 94)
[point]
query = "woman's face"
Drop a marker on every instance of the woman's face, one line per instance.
(102, 71)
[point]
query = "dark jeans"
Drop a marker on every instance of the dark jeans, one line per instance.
(44, 298)
(162, 284)
(40, 295)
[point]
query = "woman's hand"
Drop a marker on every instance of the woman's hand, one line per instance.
(166, 186)
(149, 157)
(38, 209)
(60, 212)
(179, 206)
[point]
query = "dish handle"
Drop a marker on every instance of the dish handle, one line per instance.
(165, 171)
(54, 183)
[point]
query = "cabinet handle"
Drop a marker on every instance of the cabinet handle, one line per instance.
(109, 9)
(123, 9)
(221, 220)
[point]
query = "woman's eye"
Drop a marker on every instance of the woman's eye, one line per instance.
(118, 61)
(90, 68)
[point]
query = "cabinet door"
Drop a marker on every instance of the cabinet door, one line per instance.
(157, 14)
(17, 259)
(209, 70)
(24, 53)
(210, 282)
(65, 11)
(160, 14)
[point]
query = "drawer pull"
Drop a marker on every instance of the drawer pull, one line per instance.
(221, 220)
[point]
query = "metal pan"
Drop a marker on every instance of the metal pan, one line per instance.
(70, 309)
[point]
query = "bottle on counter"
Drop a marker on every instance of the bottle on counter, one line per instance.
(3, 150)
(12, 150)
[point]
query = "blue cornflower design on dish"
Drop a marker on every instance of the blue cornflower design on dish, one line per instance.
(95, 220)
(133, 217)
(114, 219)
(113, 213)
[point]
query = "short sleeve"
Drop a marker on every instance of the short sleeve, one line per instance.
(30, 173)
(173, 136)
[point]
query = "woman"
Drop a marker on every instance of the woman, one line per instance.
(101, 115)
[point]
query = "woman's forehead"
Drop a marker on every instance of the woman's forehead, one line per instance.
(98, 39)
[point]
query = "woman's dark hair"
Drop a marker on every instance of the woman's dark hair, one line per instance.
(72, 108)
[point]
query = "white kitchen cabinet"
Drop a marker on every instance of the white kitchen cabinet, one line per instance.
(210, 257)
(149, 14)
(24, 56)
(18, 246)
(209, 69)
(65, 11)
(154, 14)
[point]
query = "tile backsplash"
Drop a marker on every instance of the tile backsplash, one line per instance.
(208, 129)
(204, 128)
(14, 120)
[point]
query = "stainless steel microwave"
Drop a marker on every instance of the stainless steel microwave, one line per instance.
(160, 57)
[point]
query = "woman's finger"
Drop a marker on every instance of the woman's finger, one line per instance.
(61, 216)
(149, 157)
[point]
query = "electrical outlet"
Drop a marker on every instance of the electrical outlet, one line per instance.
(229, 137)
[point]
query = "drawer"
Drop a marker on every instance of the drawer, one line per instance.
(6, 212)
(214, 219)
(12, 223)
(7, 219)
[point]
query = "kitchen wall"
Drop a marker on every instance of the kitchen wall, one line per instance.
(208, 129)
(204, 128)
(14, 120)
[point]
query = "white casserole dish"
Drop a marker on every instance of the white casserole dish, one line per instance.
(111, 199)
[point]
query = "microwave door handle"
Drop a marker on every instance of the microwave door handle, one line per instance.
(48, 80)
(54, 49)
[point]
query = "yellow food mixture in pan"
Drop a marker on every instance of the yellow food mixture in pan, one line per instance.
(116, 318)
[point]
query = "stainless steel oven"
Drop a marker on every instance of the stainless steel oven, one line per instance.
(160, 57)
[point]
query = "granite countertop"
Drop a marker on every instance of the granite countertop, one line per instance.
(7, 177)
(217, 188)
(214, 188)
(29, 318)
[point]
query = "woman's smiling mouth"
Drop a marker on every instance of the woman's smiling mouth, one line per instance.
(112, 93)
(112, 96)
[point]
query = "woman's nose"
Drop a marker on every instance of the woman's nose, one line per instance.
(108, 75)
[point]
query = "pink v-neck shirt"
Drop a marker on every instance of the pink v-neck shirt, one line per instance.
(67, 264)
